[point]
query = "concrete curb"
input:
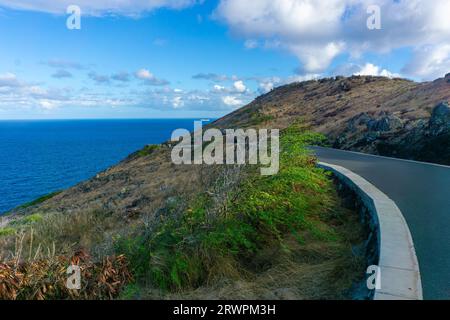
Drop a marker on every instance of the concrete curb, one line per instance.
(397, 260)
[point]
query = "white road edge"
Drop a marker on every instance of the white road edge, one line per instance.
(399, 267)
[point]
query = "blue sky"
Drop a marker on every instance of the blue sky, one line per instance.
(187, 58)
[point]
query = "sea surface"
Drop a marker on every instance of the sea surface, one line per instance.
(39, 157)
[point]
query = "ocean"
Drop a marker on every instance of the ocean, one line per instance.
(40, 157)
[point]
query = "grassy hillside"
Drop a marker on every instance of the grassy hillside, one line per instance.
(284, 236)
(147, 228)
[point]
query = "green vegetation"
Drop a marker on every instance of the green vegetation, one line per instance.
(259, 118)
(27, 220)
(193, 250)
(148, 150)
(284, 232)
(34, 218)
(40, 200)
(4, 232)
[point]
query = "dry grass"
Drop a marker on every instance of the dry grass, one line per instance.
(316, 270)
(59, 234)
(36, 256)
(45, 279)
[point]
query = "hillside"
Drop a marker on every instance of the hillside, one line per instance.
(203, 231)
(392, 117)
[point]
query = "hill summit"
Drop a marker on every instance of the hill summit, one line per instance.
(378, 115)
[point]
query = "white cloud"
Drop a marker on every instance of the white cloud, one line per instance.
(149, 78)
(232, 101)
(370, 69)
(144, 74)
(316, 58)
(47, 104)
(18, 94)
(265, 87)
(177, 102)
(217, 88)
(239, 86)
(367, 69)
(430, 62)
(98, 7)
(318, 31)
(9, 80)
(251, 44)
(301, 78)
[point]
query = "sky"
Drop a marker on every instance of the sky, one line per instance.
(203, 58)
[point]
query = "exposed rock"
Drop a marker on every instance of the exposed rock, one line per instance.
(372, 136)
(340, 141)
(358, 120)
(440, 119)
(345, 86)
(447, 76)
(387, 123)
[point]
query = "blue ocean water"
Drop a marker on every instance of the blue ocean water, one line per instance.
(39, 157)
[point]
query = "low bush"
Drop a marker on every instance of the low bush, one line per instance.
(4, 232)
(40, 200)
(198, 247)
(148, 150)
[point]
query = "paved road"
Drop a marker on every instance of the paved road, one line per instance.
(422, 192)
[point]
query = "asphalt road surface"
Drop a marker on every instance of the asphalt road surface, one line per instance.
(422, 192)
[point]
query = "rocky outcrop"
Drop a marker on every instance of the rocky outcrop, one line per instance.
(361, 119)
(440, 119)
(386, 123)
(425, 139)
(389, 135)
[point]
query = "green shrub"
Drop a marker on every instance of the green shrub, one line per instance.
(184, 253)
(148, 150)
(32, 218)
(259, 118)
(39, 200)
(4, 232)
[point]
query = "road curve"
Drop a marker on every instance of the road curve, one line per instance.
(422, 192)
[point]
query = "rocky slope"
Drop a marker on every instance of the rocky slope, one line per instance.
(392, 117)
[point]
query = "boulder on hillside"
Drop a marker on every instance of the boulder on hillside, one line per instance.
(447, 76)
(359, 120)
(345, 86)
(440, 119)
(386, 123)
